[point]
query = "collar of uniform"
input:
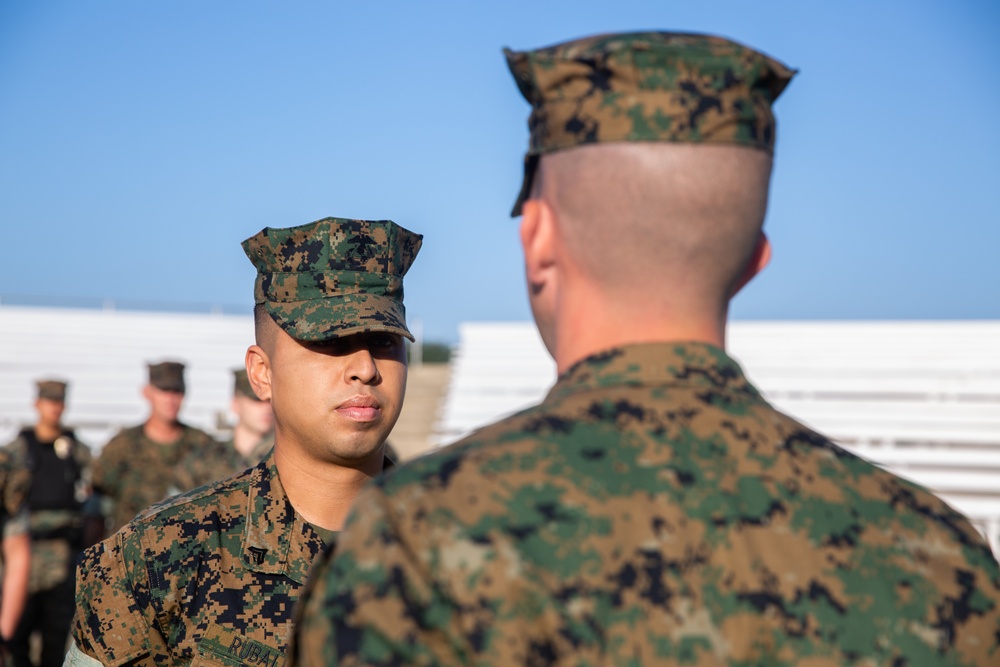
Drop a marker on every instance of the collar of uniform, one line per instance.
(689, 364)
(277, 540)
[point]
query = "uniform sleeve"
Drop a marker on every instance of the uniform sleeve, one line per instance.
(112, 625)
(15, 482)
(371, 602)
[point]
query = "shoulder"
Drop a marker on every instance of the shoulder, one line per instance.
(15, 480)
(473, 474)
(210, 451)
(10, 452)
(173, 535)
(196, 435)
(14, 450)
(194, 507)
(123, 437)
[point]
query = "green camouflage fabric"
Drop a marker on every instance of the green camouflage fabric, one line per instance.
(135, 472)
(654, 509)
(14, 484)
(56, 534)
(334, 277)
(219, 462)
(646, 86)
(209, 577)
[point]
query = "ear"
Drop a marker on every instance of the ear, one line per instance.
(258, 371)
(758, 260)
(538, 231)
(147, 393)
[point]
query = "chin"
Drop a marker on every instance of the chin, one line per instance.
(356, 452)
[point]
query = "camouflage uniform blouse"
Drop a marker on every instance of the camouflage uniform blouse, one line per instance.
(206, 578)
(654, 509)
(136, 472)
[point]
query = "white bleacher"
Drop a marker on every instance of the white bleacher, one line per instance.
(919, 398)
(103, 355)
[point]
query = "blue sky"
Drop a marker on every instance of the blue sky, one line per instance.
(141, 142)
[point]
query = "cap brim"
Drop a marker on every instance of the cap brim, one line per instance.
(318, 320)
(169, 386)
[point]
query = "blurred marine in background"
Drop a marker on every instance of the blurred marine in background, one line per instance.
(63, 520)
(252, 440)
(15, 549)
(654, 508)
(136, 467)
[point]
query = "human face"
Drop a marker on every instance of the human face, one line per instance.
(164, 404)
(254, 415)
(49, 412)
(336, 401)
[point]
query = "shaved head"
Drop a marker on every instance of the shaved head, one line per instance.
(653, 221)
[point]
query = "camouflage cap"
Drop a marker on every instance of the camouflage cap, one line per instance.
(52, 390)
(645, 86)
(241, 384)
(334, 277)
(167, 375)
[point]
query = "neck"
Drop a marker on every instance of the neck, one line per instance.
(46, 432)
(591, 323)
(320, 491)
(162, 431)
(245, 439)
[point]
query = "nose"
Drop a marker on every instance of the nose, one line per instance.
(361, 367)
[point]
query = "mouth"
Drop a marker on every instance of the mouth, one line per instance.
(360, 409)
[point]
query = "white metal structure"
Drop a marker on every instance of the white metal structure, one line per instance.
(103, 354)
(919, 398)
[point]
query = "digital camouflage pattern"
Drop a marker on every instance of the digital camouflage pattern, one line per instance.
(135, 472)
(56, 533)
(334, 277)
(14, 484)
(646, 86)
(654, 509)
(208, 577)
(217, 463)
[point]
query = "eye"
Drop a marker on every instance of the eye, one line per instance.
(334, 346)
(384, 341)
